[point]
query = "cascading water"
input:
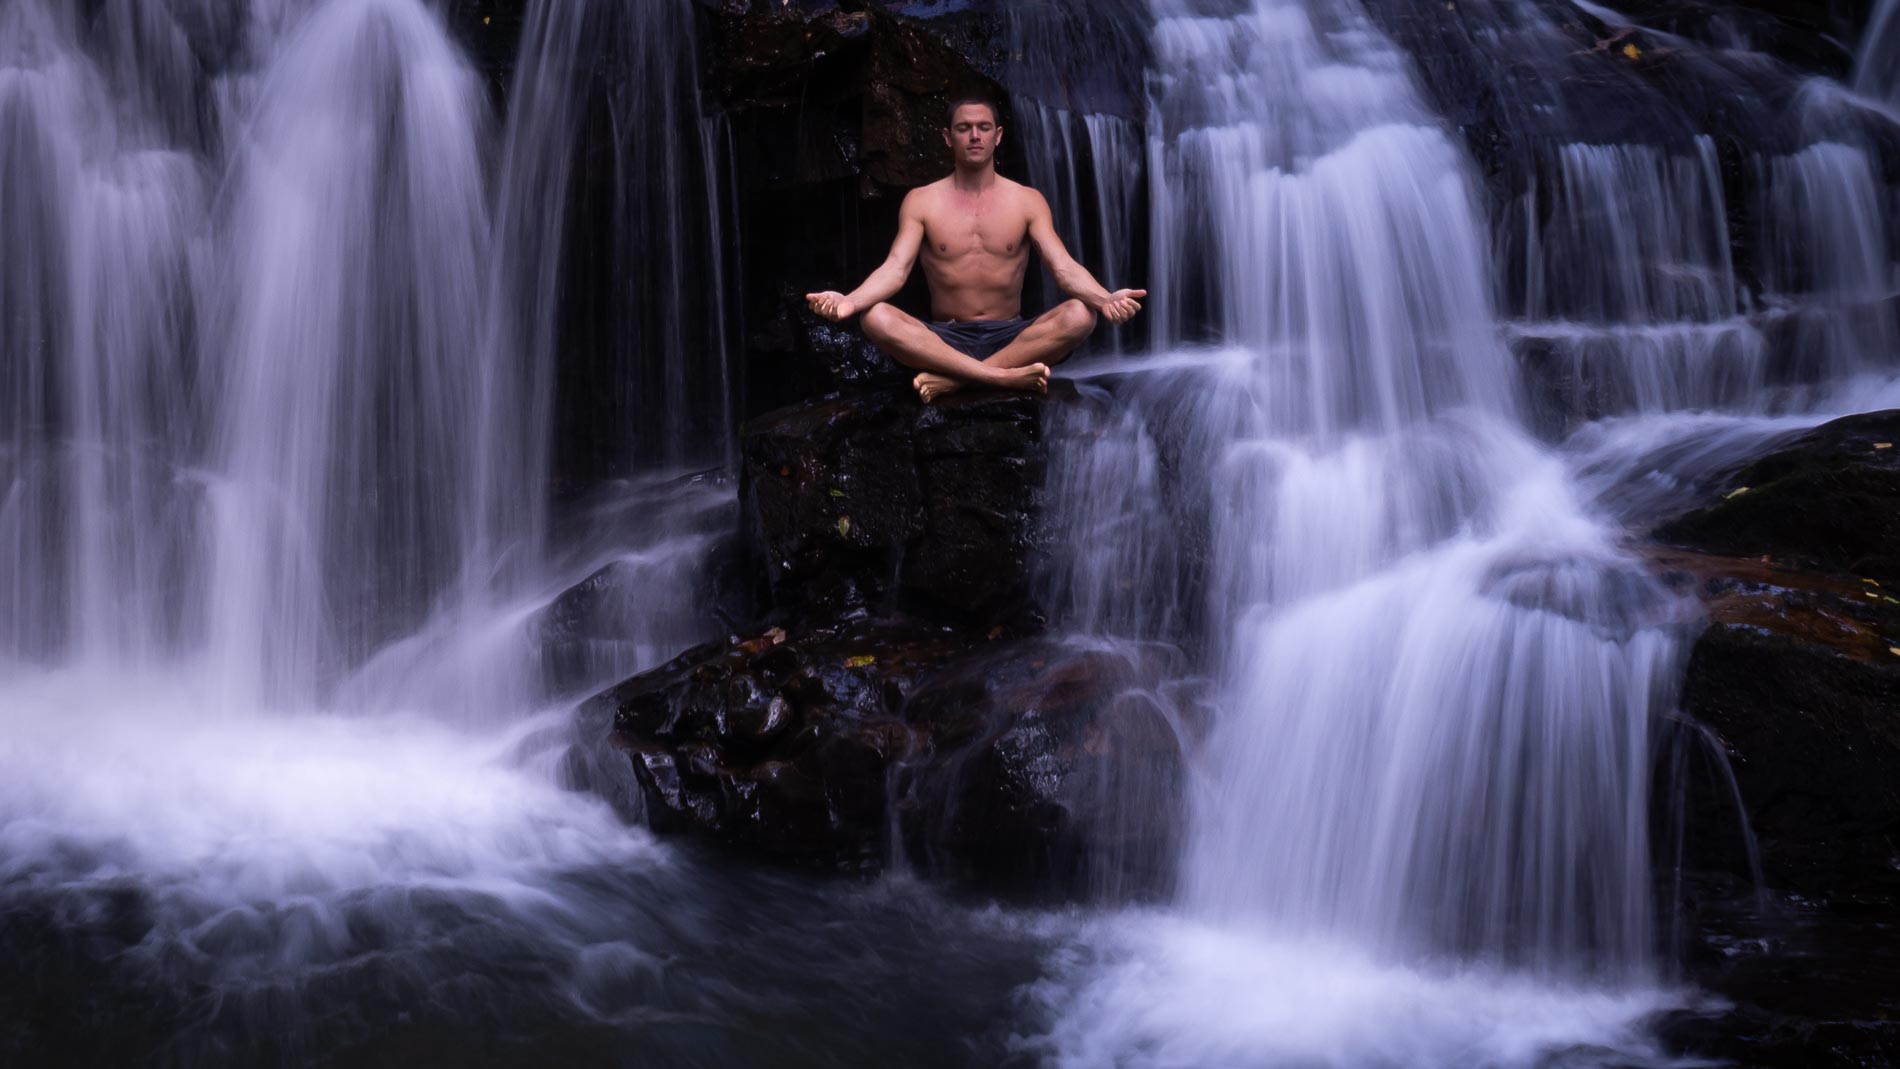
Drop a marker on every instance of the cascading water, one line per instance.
(621, 267)
(354, 359)
(1440, 674)
(1413, 657)
(1074, 110)
(286, 325)
(1877, 65)
(97, 320)
(274, 444)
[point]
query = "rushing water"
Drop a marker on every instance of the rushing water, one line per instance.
(1877, 64)
(288, 317)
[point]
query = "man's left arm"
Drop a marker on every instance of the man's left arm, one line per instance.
(1071, 277)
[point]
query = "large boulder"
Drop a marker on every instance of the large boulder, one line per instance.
(874, 501)
(1828, 500)
(1796, 557)
(1794, 689)
(1797, 675)
(1021, 765)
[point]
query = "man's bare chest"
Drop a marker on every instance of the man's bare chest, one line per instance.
(953, 236)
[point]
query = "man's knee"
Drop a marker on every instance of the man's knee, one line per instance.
(880, 322)
(1076, 319)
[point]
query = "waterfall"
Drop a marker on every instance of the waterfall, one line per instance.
(1877, 64)
(1074, 74)
(104, 203)
(1438, 671)
(611, 236)
(349, 432)
(283, 366)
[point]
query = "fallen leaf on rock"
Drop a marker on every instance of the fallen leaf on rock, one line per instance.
(1895, 650)
(1632, 52)
(862, 660)
(835, 493)
(1735, 493)
(1870, 582)
(776, 635)
(844, 526)
(1883, 445)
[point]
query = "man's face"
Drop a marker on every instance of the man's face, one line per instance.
(973, 135)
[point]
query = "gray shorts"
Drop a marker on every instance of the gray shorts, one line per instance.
(980, 338)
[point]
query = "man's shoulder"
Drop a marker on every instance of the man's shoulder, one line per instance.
(1028, 196)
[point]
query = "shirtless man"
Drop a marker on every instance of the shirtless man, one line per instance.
(974, 229)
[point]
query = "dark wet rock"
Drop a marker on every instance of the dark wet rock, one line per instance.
(872, 500)
(1797, 679)
(863, 91)
(775, 744)
(1827, 500)
(1022, 765)
(1792, 697)
(1810, 983)
(1049, 768)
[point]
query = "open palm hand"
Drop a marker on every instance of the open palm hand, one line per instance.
(1122, 305)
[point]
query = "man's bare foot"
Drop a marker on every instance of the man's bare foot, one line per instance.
(1031, 379)
(931, 386)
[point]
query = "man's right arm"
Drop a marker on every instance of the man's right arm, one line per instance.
(884, 282)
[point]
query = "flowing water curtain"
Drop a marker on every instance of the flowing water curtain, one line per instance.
(1074, 74)
(1307, 208)
(1877, 65)
(1828, 266)
(1412, 614)
(100, 140)
(1638, 191)
(351, 450)
(611, 237)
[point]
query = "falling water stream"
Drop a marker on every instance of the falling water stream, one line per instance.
(288, 313)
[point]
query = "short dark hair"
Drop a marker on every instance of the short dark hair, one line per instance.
(950, 110)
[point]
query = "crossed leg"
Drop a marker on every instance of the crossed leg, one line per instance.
(942, 369)
(1049, 340)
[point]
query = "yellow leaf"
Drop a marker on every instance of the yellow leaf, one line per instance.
(1895, 650)
(1739, 491)
(1870, 582)
(844, 526)
(1632, 52)
(1871, 594)
(863, 660)
(1883, 445)
(835, 493)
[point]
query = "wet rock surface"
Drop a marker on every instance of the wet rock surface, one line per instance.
(1826, 500)
(1797, 681)
(873, 501)
(1023, 766)
(898, 704)
(1796, 677)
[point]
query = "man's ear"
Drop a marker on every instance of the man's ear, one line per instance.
(947, 142)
